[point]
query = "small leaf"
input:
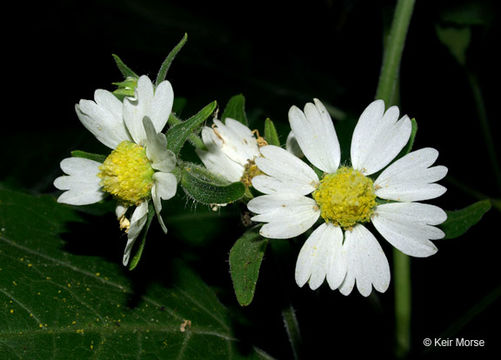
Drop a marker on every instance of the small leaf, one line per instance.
(87, 155)
(162, 73)
(459, 221)
(208, 188)
(456, 40)
(270, 133)
(137, 256)
(124, 69)
(179, 133)
(245, 260)
(235, 109)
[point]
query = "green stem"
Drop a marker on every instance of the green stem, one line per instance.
(401, 278)
(292, 328)
(393, 52)
(484, 123)
(386, 90)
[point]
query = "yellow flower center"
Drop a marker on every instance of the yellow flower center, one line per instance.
(345, 197)
(250, 170)
(127, 173)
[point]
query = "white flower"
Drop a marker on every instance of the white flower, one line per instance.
(231, 150)
(139, 167)
(342, 250)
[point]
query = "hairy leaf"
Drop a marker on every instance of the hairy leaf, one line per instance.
(124, 69)
(162, 73)
(179, 133)
(245, 260)
(208, 188)
(459, 221)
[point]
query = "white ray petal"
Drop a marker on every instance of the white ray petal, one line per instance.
(308, 255)
(157, 204)
(103, 118)
(166, 184)
(161, 105)
(282, 165)
(337, 265)
(410, 235)
(234, 141)
(378, 138)
(156, 148)
(411, 178)
(137, 222)
(147, 103)
(316, 136)
(366, 261)
(270, 185)
(286, 215)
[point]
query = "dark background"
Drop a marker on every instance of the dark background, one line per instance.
(276, 56)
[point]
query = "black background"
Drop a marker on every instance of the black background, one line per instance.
(276, 56)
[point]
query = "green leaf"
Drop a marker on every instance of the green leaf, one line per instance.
(87, 155)
(459, 221)
(54, 302)
(245, 260)
(208, 188)
(179, 133)
(235, 109)
(135, 260)
(456, 40)
(270, 133)
(124, 69)
(162, 73)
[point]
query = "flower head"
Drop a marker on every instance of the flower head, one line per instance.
(342, 250)
(231, 150)
(138, 169)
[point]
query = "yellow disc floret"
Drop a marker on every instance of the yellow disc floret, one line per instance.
(345, 197)
(127, 173)
(250, 170)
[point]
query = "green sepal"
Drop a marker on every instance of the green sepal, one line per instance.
(235, 109)
(459, 221)
(179, 133)
(125, 88)
(270, 133)
(246, 257)
(162, 73)
(207, 188)
(87, 155)
(124, 69)
(137, 256)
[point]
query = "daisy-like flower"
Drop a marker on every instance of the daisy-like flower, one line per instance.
(138, 169)
(342, 250)
(231, 150)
